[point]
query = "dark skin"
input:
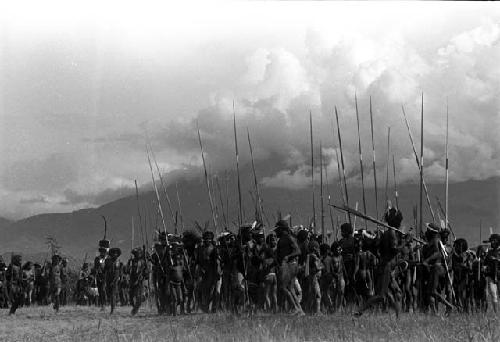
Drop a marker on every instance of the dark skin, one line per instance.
(295, 253)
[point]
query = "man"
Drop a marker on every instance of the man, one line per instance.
(348, 245)
(99, 263)
(270, 282)
(4, 298)
(112, 275)
(388, 249)
(138, 271)
(64, 281)
(159, 272)
(433, 260)
(55, 281)
(287, 253)
(491, 261)
(313, 275)
(209, 271)
(14, 283)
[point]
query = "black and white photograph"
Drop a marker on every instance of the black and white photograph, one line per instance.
(279, 171)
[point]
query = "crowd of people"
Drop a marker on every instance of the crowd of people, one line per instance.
(287, 269)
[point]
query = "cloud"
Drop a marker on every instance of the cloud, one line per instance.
(47, 175)
(274, 80)
(280, 87)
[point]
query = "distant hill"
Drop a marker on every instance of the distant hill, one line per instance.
(78, 232)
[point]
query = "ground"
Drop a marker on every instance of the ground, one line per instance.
(90, 324)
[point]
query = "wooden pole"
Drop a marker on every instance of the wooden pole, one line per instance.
(446, 162)
(179, 205)
(387, 167)
(418, 165)
(361, 159)
(240, 213)
(132, 247)
(422, 164)
(395, 182)
(312, 172)
(343, 165)
(207, 183)
(256, 183)
(139, 210)
(224, 217)
(374, 168)
(321, 193)
(164, 188)
(157, 198)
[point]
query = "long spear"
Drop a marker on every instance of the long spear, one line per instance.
(158, 198)
(374, 168)
(321, 193)
(132, 232)
(139, 210)
(342, 193)
(418, 164)
(343, 165)
(328, 194)
(312, 171)
(387, 168)
(371, 219)
(224, 218)
(163, 186)
(446, 152)
(421, 164)
(361, 160)
(256, 183)
(444, 214)
(227, 194)
(207, 183)
(395, 182)
(240, 214)
(179, 205)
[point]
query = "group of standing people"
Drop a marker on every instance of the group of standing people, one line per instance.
(289, 270)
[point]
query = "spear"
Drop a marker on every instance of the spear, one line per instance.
(328, 193)
(361, 160)
(321, 193)
(395, 182)
(257, 192)
(139, 211)
(342, 194)
(371, 219)
(179, 205)
(132, 232)
(158, 198)
(206, 182)
(312, 171)
(343, 165)
(446, 152)
(479, 257)
(418, 164)
(444, 214)
(240, 214)
(105, 226)
(421, 163)
(374, 168)
(163, 186)
(224, 218)
(387, 168)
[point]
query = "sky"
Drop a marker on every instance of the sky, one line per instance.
(84, 85)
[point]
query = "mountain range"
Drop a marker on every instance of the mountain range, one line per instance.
(78, 232)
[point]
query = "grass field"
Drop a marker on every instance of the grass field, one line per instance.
(90, 324)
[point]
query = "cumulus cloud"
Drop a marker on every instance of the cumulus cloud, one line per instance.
(279, 88)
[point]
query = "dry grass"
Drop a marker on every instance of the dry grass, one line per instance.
(89, 324)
